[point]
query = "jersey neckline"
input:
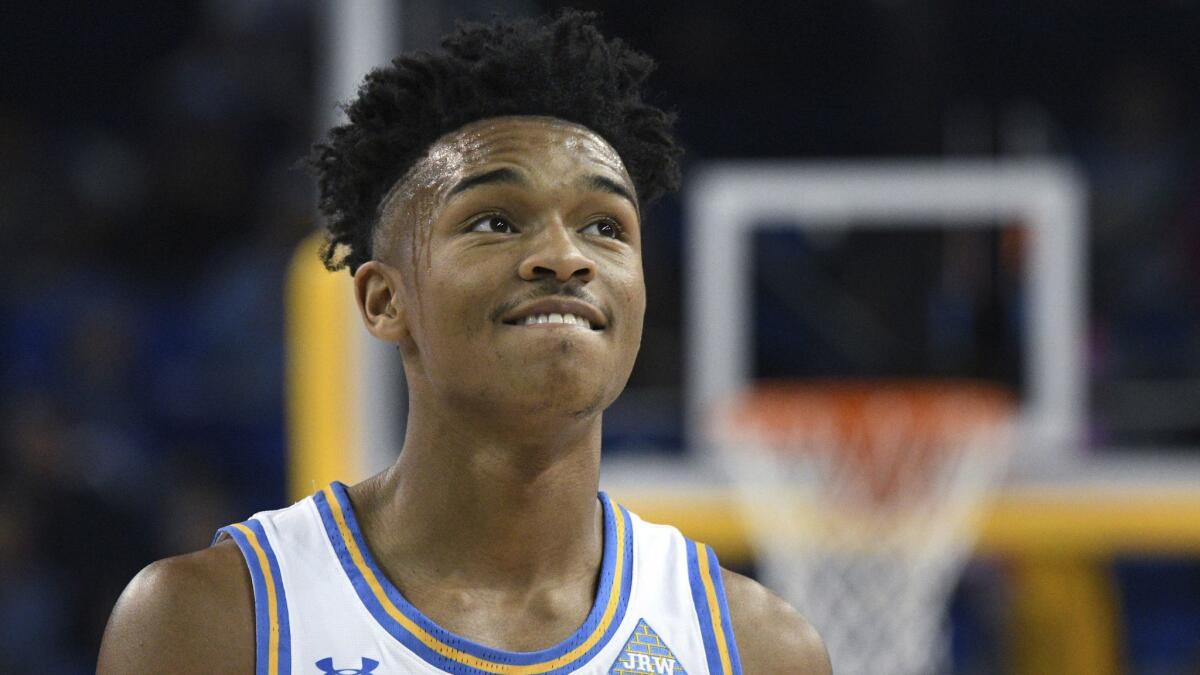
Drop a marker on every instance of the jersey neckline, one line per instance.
(449, 651)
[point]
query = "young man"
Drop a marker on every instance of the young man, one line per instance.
(487, 200)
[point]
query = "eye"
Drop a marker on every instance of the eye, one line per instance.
(604, 227)
(493, 224)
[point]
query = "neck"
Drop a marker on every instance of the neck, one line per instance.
(466, 505)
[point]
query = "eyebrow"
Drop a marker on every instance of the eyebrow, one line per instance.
(502, 175)
(605, 184)
(507, 175)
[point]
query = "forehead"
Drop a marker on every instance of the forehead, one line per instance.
(549, 153)
(539, 144)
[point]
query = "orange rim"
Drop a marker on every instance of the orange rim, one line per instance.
(891, 433)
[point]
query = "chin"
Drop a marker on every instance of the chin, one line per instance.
(569, 392)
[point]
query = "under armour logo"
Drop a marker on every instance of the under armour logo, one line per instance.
(326, 666)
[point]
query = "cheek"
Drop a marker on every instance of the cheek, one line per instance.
(634, 287)
(633, 296)
(459, 295)
(450, 304)
(434, 322)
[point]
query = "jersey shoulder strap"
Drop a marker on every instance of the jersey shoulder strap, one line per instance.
(712, 609)
(272, 632)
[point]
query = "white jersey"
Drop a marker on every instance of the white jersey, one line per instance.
(322, 604)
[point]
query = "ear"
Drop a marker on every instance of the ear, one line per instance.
(378, 290)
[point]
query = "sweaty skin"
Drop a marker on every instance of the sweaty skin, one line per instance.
(488, 522)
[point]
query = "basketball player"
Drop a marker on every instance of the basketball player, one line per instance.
(487, 200)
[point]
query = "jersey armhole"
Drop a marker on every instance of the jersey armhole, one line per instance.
(712, 610)
(272, 633)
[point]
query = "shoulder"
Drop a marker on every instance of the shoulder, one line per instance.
(188, 614)
(772, 637)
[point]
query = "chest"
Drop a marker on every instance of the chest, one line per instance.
(514, 621)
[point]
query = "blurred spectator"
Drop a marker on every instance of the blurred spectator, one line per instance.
(72, 543)
(35, 605)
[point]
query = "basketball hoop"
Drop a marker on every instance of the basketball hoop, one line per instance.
(861, 500)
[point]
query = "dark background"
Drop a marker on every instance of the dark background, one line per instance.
(149, 202)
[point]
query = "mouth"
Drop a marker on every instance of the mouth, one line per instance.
(557, 312)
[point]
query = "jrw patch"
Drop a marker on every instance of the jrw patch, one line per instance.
(646, 654)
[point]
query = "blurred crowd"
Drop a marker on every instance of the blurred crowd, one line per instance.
(150, 201)
(150, 205)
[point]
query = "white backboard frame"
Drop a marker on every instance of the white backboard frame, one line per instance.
(727, 202)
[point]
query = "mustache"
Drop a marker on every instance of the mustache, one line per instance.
(551, 289)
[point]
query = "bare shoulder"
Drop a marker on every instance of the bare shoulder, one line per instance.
(771, 635)
(189, 614)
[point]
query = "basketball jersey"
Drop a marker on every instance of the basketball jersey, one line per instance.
(322, 605)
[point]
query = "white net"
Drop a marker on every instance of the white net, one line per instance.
(862, 502)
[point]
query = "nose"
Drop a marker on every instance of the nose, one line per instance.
(555, 254)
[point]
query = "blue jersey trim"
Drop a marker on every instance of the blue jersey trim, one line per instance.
(262, 614)
(704, 612)
(726, 623)
(476, 650)
(700, 599)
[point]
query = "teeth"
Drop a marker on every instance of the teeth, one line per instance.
(568, 319)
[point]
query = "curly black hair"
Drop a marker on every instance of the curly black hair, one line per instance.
(559, 67)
